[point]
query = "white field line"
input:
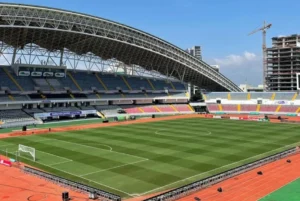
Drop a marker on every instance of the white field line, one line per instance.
(61, 162)
(54, 155)
(279, 188)
(216, 169)
(83, 178)
(102, 149)
(113, 167)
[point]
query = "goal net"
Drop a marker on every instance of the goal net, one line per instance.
(26, 149)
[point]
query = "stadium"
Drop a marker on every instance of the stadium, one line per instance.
(101, 110)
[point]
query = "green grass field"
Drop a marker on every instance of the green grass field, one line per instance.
(289, 192)
(138, 159)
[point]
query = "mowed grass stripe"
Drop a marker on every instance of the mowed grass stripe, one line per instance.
(172, 158)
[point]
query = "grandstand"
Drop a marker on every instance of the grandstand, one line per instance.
(89, 67)
(80, 91)
(281, 103)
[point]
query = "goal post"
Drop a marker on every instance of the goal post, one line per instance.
(26, 149)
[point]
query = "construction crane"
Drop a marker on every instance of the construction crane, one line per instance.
(264, 48)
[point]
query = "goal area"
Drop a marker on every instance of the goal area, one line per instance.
(27, 150)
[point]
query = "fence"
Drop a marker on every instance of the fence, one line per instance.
(196, 186)
(72, 184)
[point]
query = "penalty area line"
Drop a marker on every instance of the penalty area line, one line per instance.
(114, 167)
(89, 180)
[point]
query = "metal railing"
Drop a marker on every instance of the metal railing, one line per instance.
(72, 184)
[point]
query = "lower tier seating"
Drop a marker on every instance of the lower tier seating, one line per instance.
(247, 108)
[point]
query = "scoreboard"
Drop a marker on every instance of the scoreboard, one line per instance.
(40, 71)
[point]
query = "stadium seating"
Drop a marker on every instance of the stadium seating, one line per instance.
(268, 108)
(13, 118)
(183, 108)
(229, 107)
(238, 96)
(248, 108)
(165, 108)
(179, 86)
(288, 108)
(137, 83)
(284, 96)
(212, 107)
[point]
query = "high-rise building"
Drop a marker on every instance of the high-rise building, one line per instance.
(195, 51)
(283, 62)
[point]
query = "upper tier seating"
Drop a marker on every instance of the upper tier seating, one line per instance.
(87, 80)
(179, 86)
(161, 84)
(113, 82)
(136, 83)
(284, 96)
(42, 84)
(5, 81)
(238, 96)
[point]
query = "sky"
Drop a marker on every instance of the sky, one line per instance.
(220, 27)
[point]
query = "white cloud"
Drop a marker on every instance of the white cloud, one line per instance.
(236, 60)
(241, 68)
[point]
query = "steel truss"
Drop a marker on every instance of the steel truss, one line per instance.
(92, 42)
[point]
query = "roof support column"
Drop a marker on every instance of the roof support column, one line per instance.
(61, 62)
(14, 56)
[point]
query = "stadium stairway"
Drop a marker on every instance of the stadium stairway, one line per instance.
(72, 96)
(152, 86)
(101, 82)
(294, 97)
(74, 81)
(191, 108)
(239, 107)
(220, 107)
(140, 109)
(172, 106)
(298, 110)
(172, 85)
(273, 96)
(51, 87)
(258, 108)
(248, 96)
(11, 97)
(157, 109)
(98, 96)
(12, 79)
(127, 84)
(101, 115)
(278, 108)
(229, 96)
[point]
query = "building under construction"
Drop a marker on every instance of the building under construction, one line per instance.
(283, 62)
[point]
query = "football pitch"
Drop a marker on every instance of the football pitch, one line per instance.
(144, 158)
